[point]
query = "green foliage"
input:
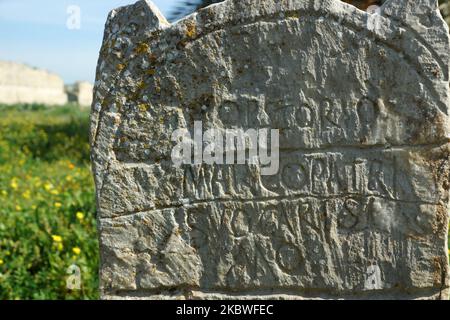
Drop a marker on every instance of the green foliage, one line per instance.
(47, 216)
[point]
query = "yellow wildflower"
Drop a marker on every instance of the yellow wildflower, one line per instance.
(54, 192)
(26, 194)
(4, 193)
(56, 238)
(14, 185)
(34, 207)
(58, 204)
(76, 250)
(69, 178)
(1, 262)
(18, 208)
(80, 215)
(48, 186)
(71, 166)
(60, 247)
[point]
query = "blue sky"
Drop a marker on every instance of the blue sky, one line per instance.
(35, 32)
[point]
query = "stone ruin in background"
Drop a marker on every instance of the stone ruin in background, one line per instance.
(80, 93)
(21, 84)
(359, 206)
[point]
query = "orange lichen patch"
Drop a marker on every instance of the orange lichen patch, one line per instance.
(141, 85)
(142, 48)
(120, 67)
(151, 72)
(191, 31)
(293, 14)
(142, 107)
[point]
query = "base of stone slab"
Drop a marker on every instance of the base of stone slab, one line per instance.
(417, 294)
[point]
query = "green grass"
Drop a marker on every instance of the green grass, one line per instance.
(47, 216)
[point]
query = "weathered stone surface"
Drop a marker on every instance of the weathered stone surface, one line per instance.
(22, 84)
(80, 93)
(359, 207)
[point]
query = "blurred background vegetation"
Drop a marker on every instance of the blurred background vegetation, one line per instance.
(445, 9)
(48, 208)
(48, 211)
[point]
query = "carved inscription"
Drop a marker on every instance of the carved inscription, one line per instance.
(359, 204)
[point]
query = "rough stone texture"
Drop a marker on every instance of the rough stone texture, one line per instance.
(80, 93)
(22, 84)
(359, 208)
